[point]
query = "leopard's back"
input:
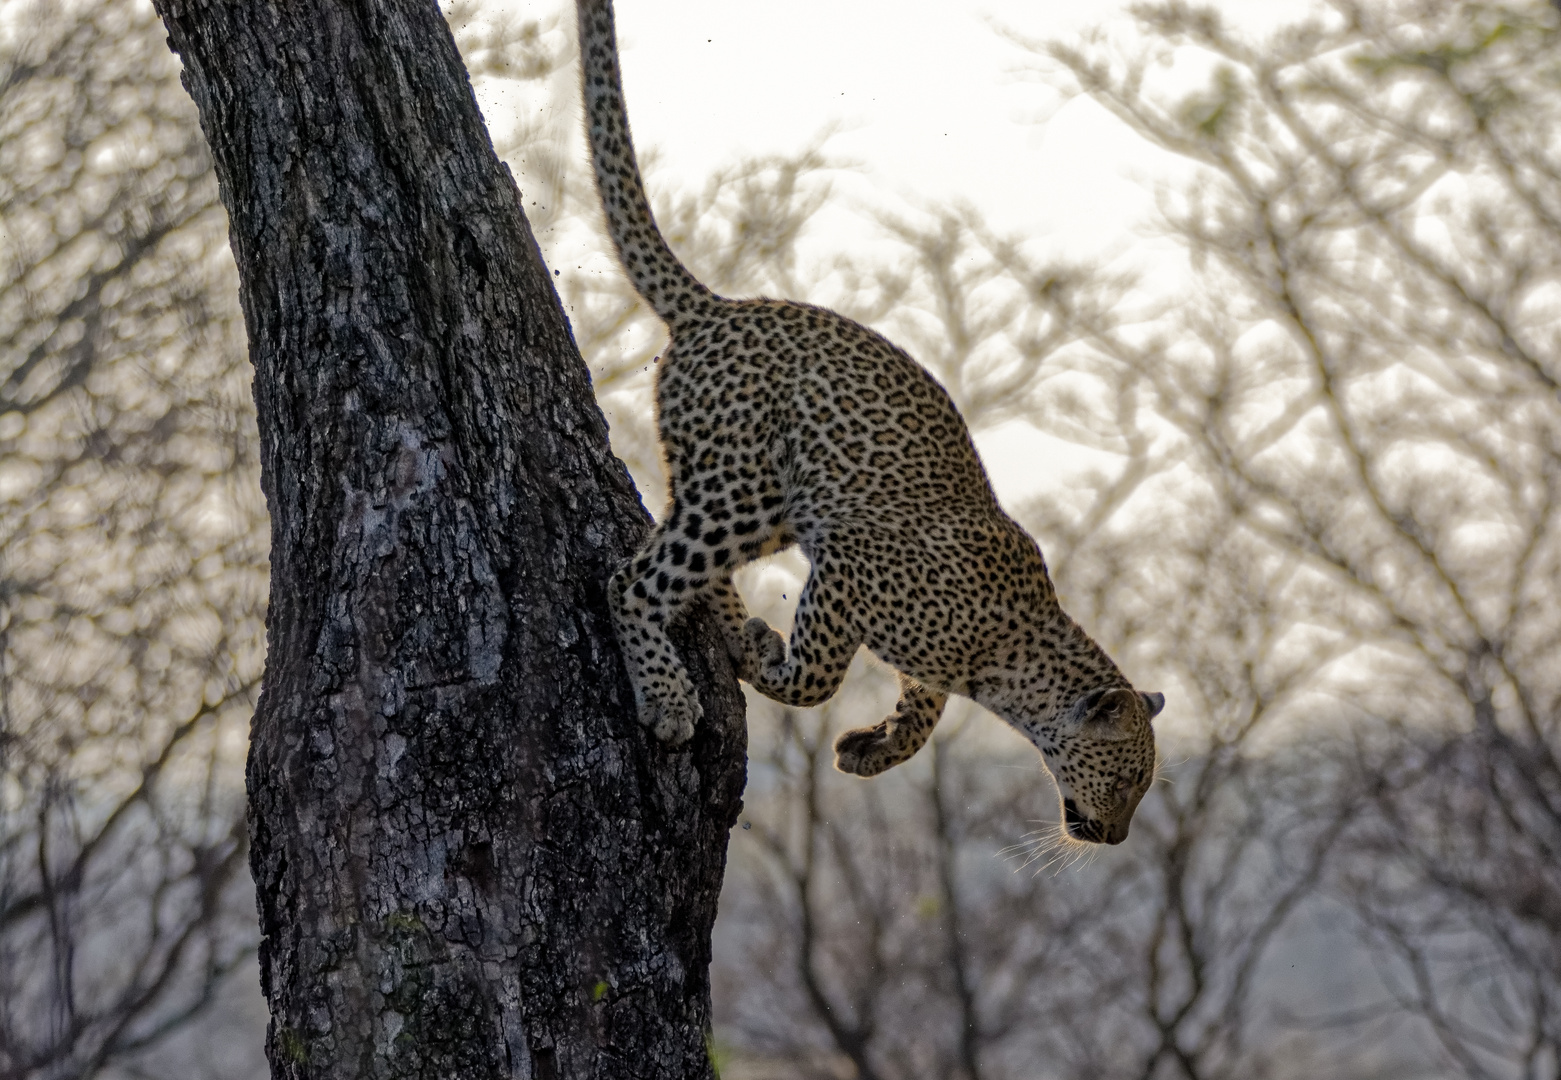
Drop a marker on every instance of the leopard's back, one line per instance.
(856, 453)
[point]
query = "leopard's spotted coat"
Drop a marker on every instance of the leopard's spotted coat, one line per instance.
(784, 423)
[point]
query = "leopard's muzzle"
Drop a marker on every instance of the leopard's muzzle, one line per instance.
(1090, 830)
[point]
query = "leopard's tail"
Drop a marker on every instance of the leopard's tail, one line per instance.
(658, 276)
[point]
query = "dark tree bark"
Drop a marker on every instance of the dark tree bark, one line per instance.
(470, 859)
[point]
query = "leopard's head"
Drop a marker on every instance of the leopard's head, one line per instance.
(1101, 752)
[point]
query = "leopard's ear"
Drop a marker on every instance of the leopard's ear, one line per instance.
(1107, 714)
(1118, 700)
(1155, 702)
(1086, 704)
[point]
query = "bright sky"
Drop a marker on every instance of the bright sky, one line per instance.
(928, 100)
(928, 97)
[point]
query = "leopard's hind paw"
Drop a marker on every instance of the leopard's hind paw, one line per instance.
(765, 652)
(670, 708)
(865, 751)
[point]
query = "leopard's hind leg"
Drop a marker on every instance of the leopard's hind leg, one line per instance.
(687, 558)
(641, 613)
(824, 637)
(728, 604)
(868, 751)
(646, 595)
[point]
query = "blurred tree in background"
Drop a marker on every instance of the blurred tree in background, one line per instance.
(1321, 513)
(1362, 400)
(132, 552)
(1328, 517)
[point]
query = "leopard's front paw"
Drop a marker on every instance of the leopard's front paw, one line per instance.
(865, 751)
(765, 651)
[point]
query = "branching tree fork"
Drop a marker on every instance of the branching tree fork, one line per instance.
(470, 860)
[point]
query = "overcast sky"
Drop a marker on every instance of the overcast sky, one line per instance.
(929, 98)
(929, 101)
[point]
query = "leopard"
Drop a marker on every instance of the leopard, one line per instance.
(783, 424)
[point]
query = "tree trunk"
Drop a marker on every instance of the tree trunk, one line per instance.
(470, 859)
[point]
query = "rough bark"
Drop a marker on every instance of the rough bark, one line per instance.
(470, 860)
